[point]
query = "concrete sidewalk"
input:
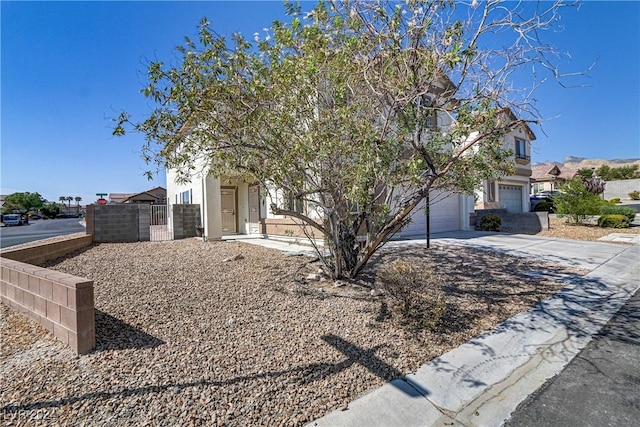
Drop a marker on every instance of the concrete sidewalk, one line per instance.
(483, 381)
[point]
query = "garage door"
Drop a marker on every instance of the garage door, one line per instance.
(444, 216)
(510, 197)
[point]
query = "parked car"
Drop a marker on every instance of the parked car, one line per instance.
(67, 216)
(541, 204)
(11, 219)
(547, 193)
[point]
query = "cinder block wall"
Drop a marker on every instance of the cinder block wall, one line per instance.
(144, 223)
(118, 223)
(39, 254)
(185, 220)
(60, 302)
(526, 222)
(621, 189)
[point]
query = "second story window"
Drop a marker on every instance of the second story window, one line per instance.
(521, 150)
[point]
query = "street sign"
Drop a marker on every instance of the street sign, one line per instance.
(102, 201)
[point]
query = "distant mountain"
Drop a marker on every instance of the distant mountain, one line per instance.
(581, 162)
(572, 159)
(625, 161)
(577, 163)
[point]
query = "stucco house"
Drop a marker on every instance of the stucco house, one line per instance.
(231, 205)
(548, 176)
(155, 196)
(511, 192)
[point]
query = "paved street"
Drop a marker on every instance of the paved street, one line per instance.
(600, 385)
(37, 230)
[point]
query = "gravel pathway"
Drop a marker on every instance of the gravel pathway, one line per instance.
(187, 337)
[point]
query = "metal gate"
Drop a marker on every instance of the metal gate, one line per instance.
(159, 224)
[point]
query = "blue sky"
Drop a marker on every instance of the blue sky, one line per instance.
(68, 67)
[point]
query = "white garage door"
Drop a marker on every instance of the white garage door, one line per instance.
(510, 197)
(444, 216)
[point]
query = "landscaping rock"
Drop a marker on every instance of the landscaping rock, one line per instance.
(184, 338)
(376, 292)
(233, 258)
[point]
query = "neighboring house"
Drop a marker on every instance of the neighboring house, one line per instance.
(511, 192)
(155, 196)
(117, 198)
(548, 176)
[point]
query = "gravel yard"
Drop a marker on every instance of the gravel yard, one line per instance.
(186, 338)
(589, 232)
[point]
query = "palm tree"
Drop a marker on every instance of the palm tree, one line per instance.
(63, 199)
(78, 199)
(69, 199)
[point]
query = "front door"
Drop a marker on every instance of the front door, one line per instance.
(254, 210)
(228, 202)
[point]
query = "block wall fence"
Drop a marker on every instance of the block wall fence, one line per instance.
(119, 223)
(531, 222)
(185, 219)
(60, 302)
(621, 189)
(131, 222)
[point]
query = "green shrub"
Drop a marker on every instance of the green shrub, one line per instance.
(614, 201)
(613, 221)
(635, 195)
(630, 213)
(490, 222)
(575, 202)
(416, 296)
(543, 207)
